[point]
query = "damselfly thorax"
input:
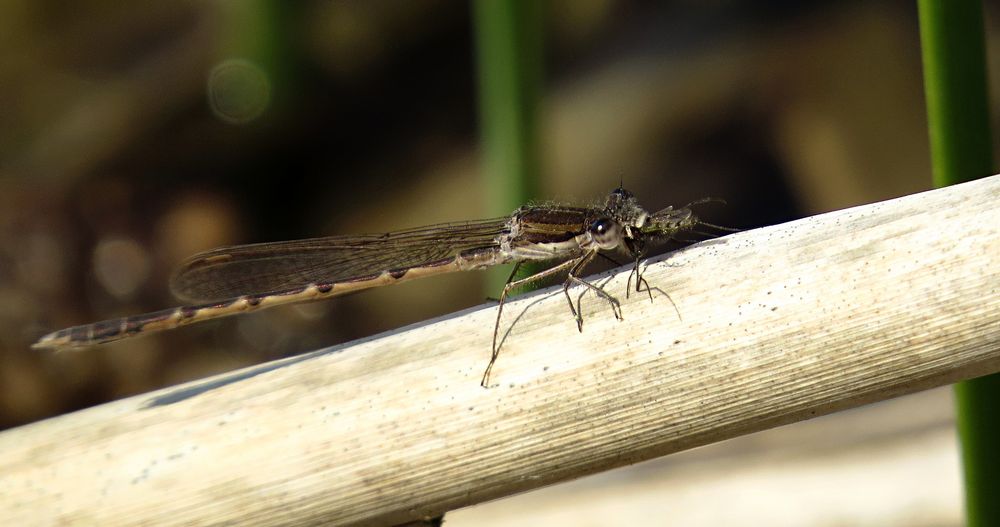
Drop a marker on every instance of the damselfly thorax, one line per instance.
(243, 278)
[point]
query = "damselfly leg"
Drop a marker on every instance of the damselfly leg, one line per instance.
(573, 278)
(575, 267)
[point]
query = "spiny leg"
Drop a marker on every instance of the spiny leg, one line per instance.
(639, 280)
(572, 278)
(635, 271)
(512, 284)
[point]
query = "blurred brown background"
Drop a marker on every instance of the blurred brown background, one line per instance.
(133, 134)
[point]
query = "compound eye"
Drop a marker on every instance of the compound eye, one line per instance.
(606, 232)
(601, 226)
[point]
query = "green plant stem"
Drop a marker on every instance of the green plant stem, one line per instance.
(952, 38)
(951, 32)
(509, 55)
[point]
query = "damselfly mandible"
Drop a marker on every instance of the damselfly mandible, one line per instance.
(234, 280)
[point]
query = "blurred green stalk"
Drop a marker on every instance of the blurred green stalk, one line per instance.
(509, 56)
(257, 31)
(952, 37)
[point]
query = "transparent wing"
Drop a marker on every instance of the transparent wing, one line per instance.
(230, 272)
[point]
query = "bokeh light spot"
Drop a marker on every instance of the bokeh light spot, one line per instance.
(120, 265)
(238, 91)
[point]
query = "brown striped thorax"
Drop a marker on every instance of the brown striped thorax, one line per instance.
(547, 232)
(233, 280)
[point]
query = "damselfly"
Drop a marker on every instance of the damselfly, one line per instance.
(234, 280)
